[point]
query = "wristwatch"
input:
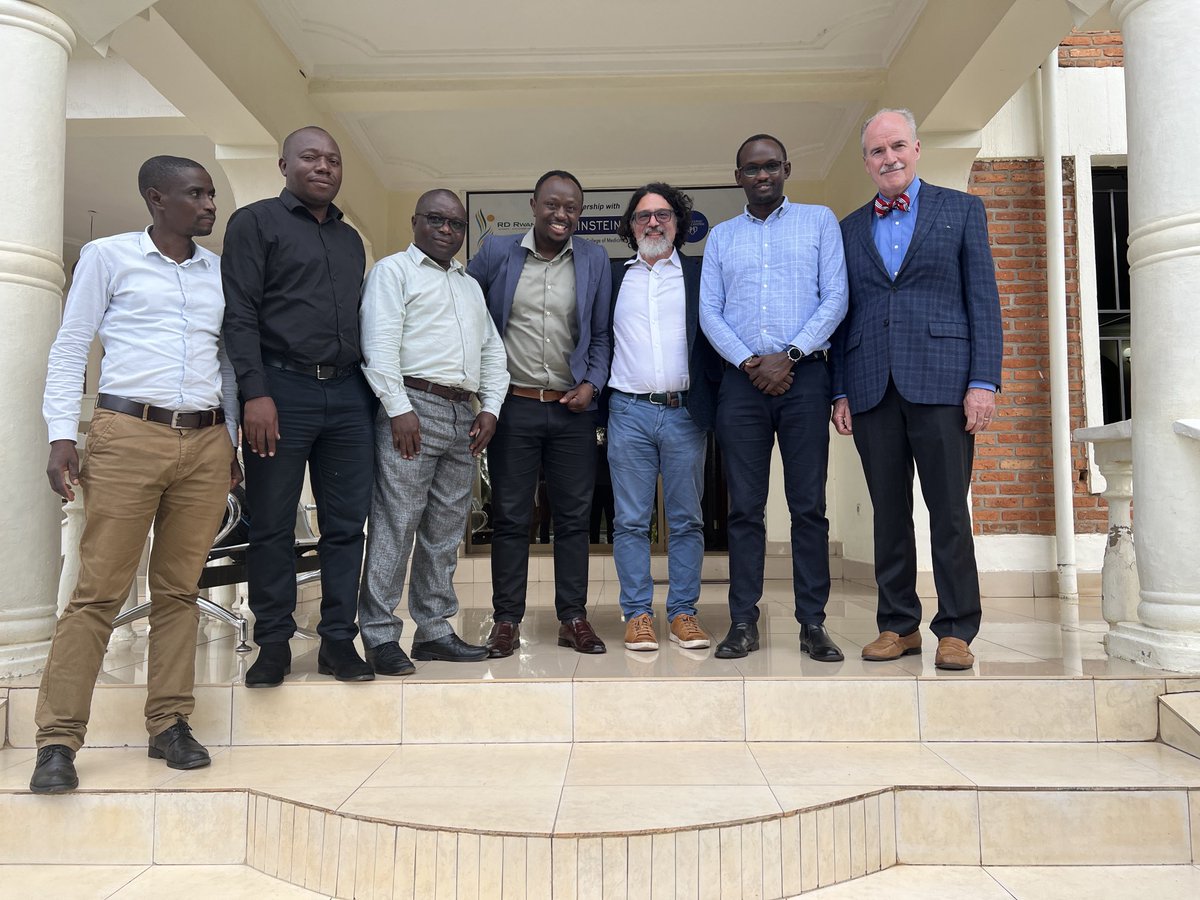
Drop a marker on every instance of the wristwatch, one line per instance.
(794, 353)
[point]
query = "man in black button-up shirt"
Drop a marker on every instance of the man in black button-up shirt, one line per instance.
(293, 272)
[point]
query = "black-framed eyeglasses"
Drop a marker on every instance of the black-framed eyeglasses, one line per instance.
(436, 222)
(642, 216)
(771, 168)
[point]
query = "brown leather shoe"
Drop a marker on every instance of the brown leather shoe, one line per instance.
(580, 637)
(952, 653)
(890, 645)
(503, 639)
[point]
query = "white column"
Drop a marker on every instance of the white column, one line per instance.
(1162, 95)
(34, 45)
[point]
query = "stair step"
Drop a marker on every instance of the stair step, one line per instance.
(1179, 721)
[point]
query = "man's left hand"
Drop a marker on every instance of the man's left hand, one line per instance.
(481, 432)
(773, 374)
(979, 405)
(580, 397)
(235, 473)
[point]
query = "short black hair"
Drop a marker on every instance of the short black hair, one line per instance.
(737, 160)
(158, 171)
(556, 173)
(291, 138)
(680, 203)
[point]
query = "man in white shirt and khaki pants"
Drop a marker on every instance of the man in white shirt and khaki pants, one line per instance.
(155, 454)
(429, 348)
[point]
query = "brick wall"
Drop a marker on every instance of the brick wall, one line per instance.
(1092, 49)
(1013, 488)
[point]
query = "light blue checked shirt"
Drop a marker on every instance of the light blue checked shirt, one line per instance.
(774, 283)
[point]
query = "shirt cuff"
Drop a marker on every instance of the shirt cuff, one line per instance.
(396, 404)
(839, 396)
(984, 385)
(63, 430)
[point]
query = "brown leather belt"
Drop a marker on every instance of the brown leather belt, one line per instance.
(543, 394)
(438, 390)
(173, 417)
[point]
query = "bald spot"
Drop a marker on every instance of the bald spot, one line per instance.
(427, 199)
(289, 142)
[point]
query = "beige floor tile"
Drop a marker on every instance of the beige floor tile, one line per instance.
(687, 861)
(673, 710)
(937, 828)
(831, 710)
(301, 713)
(297, 772)
(853, 763)
(109, 768)
(590, 855)
(10, 756)
(480, 765)
(794, 797)
(961, 710)
(564, 862)
(668, 662)
(1090, 882)
(614, 852)
(918, 883)
(1051, 765)
(1127, 710)
(226, 882)
(467, 713)
(616, 808)
(1029, 828)
(784, 659)
(772, 859)
(499, 809)
(664, 764)
(78, 828)
(538, 868)
(826, 847)
(202, 828)
(86, 882)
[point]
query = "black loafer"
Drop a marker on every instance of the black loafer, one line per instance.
(55, 770)
(815, 641)
(341, 660)
(450, 648)
(177, 746)
(389, 659)
(274, 661)
(742, 639)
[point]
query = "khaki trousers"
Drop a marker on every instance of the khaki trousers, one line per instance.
(136, 473)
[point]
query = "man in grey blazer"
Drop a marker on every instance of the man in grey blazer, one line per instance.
(549, 294)
(915, 370)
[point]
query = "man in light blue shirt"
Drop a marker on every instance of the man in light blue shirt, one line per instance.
(772, 292)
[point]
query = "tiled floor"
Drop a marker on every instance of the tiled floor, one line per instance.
(1021, 883)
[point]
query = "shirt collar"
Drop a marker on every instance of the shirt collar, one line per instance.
(529, 244)
(672, 260)
(778, 213)
(293, 203)
(420, 257)
(199, 254)
(912, 190)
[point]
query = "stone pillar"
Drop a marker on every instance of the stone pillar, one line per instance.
(1162, 95)
(34, 45)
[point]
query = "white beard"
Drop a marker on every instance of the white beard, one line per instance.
(652, 245)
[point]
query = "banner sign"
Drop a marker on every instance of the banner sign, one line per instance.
(508, 212)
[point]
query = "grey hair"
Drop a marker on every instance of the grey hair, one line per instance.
(905, 114)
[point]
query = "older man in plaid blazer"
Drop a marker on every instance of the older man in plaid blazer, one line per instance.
(915, 370)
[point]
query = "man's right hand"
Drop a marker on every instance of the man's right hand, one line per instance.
(63, 468)
(771, 374)
(406, 434)
(260, 425)
(842, 419)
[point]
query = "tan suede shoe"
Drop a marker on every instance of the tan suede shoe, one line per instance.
(890, 645)
(952, 653)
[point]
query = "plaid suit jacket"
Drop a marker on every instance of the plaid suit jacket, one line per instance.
(934, 328)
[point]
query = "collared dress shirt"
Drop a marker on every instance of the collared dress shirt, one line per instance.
(774, 283)
(650, 351)
(160, 324)
(292, 287)
(421, 320)
(543, 325)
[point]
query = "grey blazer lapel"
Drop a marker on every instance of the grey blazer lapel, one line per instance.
(512, 274)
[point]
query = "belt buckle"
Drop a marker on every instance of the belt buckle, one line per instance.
(175, 414)
(332, 370)
(541, 395)
(664, 397)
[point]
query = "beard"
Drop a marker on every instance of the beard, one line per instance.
(652, 245)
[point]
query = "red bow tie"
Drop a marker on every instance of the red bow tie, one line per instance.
(883, 207)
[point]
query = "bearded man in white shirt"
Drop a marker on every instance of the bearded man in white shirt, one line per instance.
(155, 455)
(429, 349)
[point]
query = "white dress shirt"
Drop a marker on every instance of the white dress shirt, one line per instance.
(160, 324)
(650, 350)
(422, 320)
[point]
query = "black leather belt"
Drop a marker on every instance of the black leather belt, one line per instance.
(671, 399)
(319, 372)
(815, 356)
(173, 417)
(438, 390)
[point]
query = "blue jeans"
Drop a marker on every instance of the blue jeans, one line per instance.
(645, 439)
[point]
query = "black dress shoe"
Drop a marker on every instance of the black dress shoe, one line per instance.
(389, 659)
(450, 648)
(274, 661)
(503, 639)
(815, 641)
(579, 635)
(177, 746)
(55, 770)
(341, 660)
(742, 639)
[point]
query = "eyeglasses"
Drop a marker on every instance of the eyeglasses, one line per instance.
(436, 222)
(642, 216)
(771, 168)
